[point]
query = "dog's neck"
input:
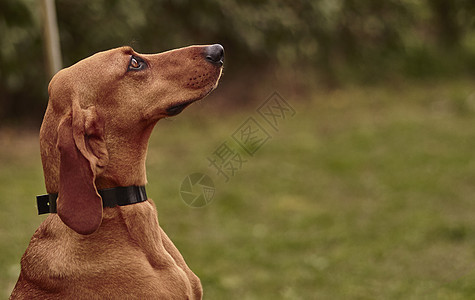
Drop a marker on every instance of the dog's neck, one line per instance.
(127, 156)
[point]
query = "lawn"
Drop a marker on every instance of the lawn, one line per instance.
(364, 193)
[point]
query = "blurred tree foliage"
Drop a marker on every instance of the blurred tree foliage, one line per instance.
(342, 40)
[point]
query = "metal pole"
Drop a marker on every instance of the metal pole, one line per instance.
(52, 45)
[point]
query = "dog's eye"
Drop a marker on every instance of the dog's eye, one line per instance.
(136, 64)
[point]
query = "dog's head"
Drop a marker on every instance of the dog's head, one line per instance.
(100, 114)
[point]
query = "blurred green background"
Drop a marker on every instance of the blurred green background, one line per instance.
(365, 193)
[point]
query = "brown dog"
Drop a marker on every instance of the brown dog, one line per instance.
(94, 137)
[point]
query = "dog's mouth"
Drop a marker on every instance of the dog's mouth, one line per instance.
(176, 109)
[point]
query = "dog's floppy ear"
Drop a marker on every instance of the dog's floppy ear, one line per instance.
(82, 153)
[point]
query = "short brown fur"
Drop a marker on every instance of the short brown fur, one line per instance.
(94, 136)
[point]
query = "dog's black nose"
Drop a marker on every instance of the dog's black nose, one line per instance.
(215, 54)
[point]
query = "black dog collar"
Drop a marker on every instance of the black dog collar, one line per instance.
(118, 196)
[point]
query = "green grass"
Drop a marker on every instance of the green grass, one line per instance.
(366, 193)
